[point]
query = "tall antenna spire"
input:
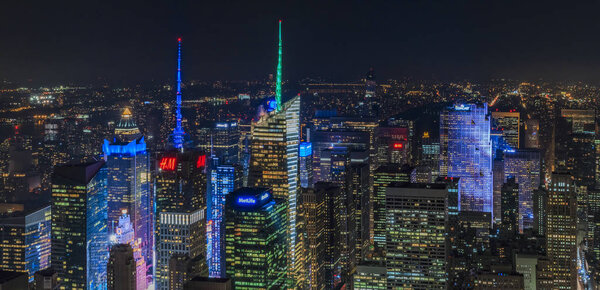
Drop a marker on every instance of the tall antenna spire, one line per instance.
(278, 81)
(178, 131)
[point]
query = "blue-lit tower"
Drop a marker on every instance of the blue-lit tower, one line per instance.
(178, 133)
(129, 185)
(223, 180)
(180, 191)
(305, 161)
(466, 152)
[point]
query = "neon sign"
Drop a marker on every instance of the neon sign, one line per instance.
(461, 107)
(167, 163)
(201, 162)
(398, 145)
(246, 200)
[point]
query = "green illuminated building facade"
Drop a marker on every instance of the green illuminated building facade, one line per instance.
(255, 239)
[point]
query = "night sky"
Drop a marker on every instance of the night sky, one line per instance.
(50, 42)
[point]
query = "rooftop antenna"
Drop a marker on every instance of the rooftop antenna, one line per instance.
(178, 131)
(278, 80)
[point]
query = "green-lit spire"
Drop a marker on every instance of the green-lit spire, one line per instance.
(278, 81)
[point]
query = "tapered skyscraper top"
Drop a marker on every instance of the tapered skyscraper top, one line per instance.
(278, 81)
(178, 133)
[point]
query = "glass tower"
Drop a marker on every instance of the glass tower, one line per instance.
(255, 239)
(37, 240)
(79, 225)
(306, 166)
(129, 190)
(25, 240)
(274, 161)
(466, 152)
(525, 166)
(222, 181)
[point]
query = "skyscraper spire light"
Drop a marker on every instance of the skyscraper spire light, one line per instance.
(278, 81)
(178, 133)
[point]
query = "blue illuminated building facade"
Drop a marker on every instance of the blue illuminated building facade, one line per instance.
(305, 162)
(129, 190)
(25, 240)
(255, 239)
(466, 152)
(525, 166)
(37, 240)
(79, 225)
(222, 181)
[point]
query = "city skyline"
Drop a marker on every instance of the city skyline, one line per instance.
(280, 183)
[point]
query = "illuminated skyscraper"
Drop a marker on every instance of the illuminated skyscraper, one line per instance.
(508, 124)
(334, 259)
(525, 166)
(466, 152)
(306, 164)
(274, 160)
(359, 191)
(223, 180)
(25, 241)
(79, 225)
(416, 231)
(255, 239)
(540, 204)
(314, 214)
(222, 139)
(383, 177)
(392, 145)
(129, 184)
(127, 130)
(180, 199)
(561, 235)
(342, 205)
(178, 136)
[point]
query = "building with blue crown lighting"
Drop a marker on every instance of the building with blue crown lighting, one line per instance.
(255, 239)
(305, 162)
(466, 152)
(129, 187)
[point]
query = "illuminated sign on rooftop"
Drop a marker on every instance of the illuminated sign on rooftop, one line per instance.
(201, 162)
(461, 107)
(246, 200)
(168, 163)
